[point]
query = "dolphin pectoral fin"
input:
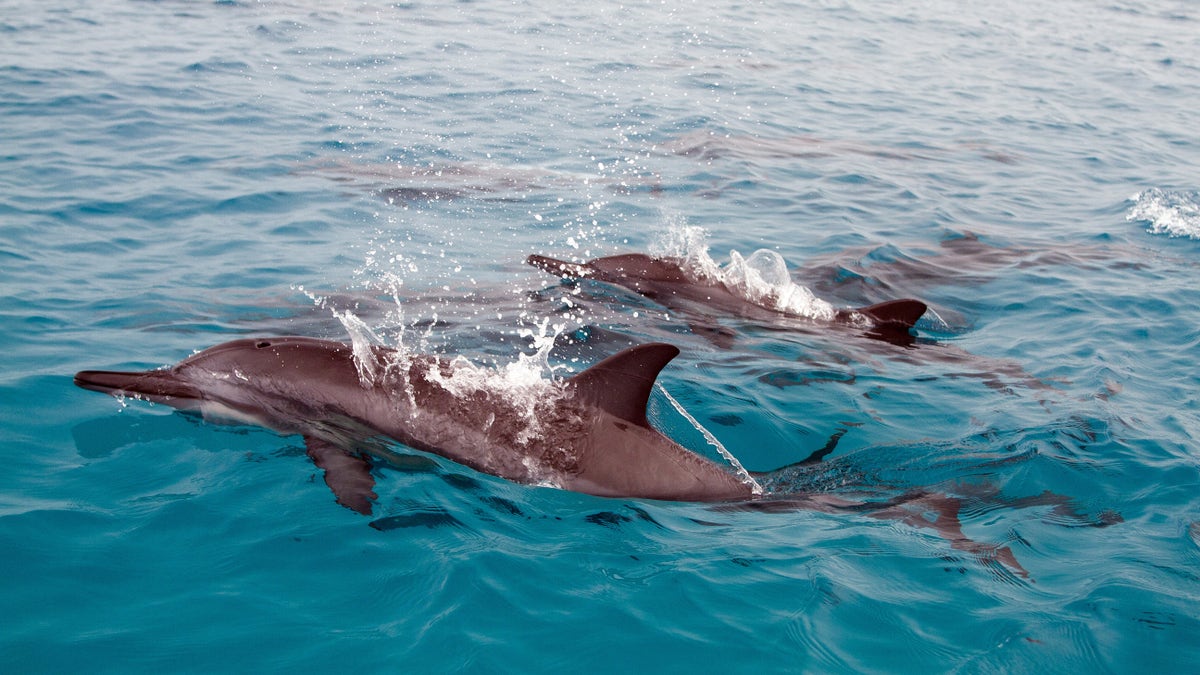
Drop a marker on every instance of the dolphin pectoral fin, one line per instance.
(621, 384)
(348, 475)
(904, 312)
(560, 268)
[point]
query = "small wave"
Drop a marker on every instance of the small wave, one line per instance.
(1173, 213)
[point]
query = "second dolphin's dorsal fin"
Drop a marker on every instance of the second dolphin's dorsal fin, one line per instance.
(895, 312)
(620, 385)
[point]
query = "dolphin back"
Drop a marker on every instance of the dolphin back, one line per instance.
(561, 268)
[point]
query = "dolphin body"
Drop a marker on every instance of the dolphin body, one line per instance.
(665, 281)
(591, 435)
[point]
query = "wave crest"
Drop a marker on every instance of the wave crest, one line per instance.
(1173, 213)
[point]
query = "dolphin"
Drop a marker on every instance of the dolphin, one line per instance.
(665, 281)
(589, 435)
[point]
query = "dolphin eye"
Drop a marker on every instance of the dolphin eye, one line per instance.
(262, 344)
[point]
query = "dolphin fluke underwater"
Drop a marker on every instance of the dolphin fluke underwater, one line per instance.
(667, 281)
(589, 434)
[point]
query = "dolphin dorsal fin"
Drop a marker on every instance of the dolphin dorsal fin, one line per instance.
(904, 312)
(621, 384)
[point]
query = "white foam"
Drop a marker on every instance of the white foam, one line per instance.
(527, 384)
(762, 278)
(1173, 213)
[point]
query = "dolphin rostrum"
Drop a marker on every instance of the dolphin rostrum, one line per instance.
(589, 435)
(666, 281)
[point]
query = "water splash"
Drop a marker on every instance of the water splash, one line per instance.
(762, 278)
(1173, 213)
(363, 339)
(528, 384)
(528, 373)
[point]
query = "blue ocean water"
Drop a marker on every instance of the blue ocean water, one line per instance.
(176, 174)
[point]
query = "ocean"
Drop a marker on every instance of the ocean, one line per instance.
(181, 173)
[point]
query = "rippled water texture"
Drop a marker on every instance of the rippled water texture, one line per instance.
(177, 174)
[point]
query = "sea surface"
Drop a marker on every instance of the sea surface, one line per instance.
(174, 174)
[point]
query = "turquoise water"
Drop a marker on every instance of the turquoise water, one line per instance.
(176, 174)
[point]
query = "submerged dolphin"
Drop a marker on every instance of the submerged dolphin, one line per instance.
(665, 281)
(590, 435)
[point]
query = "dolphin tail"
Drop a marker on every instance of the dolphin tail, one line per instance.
(559, 268)
(163, 386)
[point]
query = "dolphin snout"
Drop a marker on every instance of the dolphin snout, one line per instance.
(151, 384)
